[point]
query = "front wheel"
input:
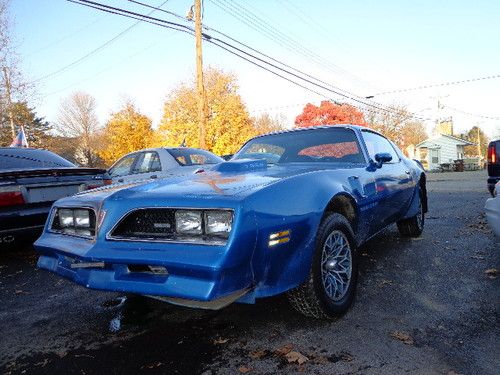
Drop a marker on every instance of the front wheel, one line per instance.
(331, 286)
(413, 226)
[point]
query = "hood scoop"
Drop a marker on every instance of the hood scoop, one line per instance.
(241, 165)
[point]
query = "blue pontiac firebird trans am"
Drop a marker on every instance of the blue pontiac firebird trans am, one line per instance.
(285, 215)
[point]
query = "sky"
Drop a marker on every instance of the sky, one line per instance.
(360, 46)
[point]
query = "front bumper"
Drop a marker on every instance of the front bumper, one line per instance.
(492, 209)
(194, 275)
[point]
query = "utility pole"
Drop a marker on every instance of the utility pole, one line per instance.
(202, 100)
(478, 144)
(9, 102)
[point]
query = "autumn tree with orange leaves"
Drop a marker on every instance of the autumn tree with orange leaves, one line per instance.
(329, 113)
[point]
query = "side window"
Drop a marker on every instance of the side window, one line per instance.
(122, 167)
(147, 162)
(155, 164)
(376, 144)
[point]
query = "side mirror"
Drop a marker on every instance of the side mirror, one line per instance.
(382, 157)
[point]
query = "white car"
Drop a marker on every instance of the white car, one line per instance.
(492, 209)
(160, 162)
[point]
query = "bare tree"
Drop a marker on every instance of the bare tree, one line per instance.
(13, 86)
(265, 123)
(398, 125)
(77, 119)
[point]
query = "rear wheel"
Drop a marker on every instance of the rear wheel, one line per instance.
(331, 286)
(413, 226)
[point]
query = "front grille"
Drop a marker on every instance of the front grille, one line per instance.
(159, 225)
(147, 223)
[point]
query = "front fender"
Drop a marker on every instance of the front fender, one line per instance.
(296, 205)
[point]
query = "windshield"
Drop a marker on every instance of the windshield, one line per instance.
(315, 145)
(190, 156)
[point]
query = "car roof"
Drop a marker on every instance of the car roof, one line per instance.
(346, 126)
(167, 148)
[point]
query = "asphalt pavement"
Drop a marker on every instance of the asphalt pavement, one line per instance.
(428, 305)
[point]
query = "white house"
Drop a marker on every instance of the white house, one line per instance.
(441, 149)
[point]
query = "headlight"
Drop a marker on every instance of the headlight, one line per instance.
(82, 218)
(218, 223)
(188, 222)
(75, 221)
(65, 217)
(204, 224)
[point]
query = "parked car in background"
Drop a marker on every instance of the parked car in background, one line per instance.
(160, 162)
(493, 164)
(30, 181)
(492, 209)
(287, 220)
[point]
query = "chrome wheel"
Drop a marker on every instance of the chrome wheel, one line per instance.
(336, 265)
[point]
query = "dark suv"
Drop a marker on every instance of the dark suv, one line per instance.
(493, 164)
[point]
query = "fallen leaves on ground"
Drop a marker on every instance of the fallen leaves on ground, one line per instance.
(244, 369)
(284, 350)
(492, 273)
(296, 357)
(479, 225)
(403, 337)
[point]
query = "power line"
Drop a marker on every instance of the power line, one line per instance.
(258, 24)
(437, 85)
(335, 89)
(293, 8)
(322, 84)
(233, 50)
(94, 51)
(472, 114)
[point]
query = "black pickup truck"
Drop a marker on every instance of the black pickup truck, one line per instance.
(30, 181)
(493, 164)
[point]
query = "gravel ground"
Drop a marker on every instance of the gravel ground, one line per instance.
(424, 306)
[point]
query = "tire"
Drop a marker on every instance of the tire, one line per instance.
(413, 226)
(322, 296)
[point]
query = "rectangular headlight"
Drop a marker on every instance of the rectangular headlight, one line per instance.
(188, 222)
(82, 218)
(218, 223)
(65, 217)
(74, 221)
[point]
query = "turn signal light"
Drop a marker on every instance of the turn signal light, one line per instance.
(279, 238)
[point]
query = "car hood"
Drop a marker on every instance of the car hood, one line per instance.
(233, 179)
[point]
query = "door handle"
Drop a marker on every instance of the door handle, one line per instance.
(153, 176)
(408, 172)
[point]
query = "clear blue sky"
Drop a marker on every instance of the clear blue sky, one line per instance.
(362, 46)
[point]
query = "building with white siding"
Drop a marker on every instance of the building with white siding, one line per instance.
(439, 150)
